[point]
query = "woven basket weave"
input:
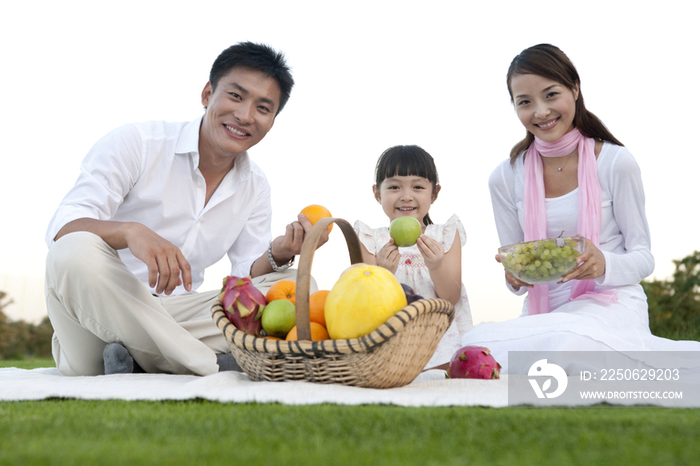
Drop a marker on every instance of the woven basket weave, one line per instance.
(391, 356)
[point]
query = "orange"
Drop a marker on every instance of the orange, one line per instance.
(283, 289)
(317, 306)
(318, 332)
(315, 212)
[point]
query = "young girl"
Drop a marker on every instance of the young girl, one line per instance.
(406, 185)
(569, 174)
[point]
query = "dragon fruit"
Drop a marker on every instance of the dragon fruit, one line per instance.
(243, 304)
(473, 362)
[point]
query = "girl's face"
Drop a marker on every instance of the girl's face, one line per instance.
(546, 108)
(402, 196)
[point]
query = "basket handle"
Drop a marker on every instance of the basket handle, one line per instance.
(304, 271)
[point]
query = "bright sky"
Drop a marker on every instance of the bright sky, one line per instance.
(370, 75)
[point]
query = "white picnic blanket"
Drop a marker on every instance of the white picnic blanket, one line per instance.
(429, 389)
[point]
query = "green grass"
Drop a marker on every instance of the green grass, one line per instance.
(28, 363)
(692, 333)
(199, 432)
(196, 432)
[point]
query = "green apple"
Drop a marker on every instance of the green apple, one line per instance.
(279, 316)
(405, 231)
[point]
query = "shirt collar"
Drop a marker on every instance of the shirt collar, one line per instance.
(188, 143)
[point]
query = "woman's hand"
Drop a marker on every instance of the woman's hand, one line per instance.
(431, 250)
(512, 280)
(591, 264)
(389, 256)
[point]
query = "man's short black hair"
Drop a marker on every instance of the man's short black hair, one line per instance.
(259, 57)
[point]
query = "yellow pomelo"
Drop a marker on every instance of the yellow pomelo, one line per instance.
(362, 299)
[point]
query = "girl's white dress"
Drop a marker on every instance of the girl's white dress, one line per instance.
(412, 271)
(586, 324)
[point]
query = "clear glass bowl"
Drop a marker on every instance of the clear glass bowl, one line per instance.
(542, 261)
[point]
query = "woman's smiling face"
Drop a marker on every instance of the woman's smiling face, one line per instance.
(546, 108)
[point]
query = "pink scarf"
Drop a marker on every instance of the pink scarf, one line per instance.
(589, 209)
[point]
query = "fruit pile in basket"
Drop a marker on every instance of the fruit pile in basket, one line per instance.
(542, 261)
(363, 298)
(279, 316)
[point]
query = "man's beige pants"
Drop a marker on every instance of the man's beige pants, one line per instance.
(93, 299)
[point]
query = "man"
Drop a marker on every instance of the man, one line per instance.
(172, 199)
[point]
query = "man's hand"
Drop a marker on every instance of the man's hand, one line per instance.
(289, 245)
(286, 246)
(167, 266)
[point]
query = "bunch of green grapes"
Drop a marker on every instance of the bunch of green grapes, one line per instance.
(543, 261)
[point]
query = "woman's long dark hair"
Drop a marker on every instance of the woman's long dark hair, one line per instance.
(550, 62)
(407, 161)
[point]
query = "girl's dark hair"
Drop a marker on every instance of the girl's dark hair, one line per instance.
(260, 57)
(550, 62)
(407, 161)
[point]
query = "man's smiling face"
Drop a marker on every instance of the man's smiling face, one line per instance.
(240, 112)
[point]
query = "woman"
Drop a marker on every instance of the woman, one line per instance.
(571, 175)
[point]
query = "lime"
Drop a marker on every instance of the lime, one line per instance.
(279, 316)
(405, 231)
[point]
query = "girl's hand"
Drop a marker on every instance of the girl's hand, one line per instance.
(389, 256)
(512, 280)
(591, 264)
(431, 250)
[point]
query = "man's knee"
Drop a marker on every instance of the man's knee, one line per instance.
(79, 253)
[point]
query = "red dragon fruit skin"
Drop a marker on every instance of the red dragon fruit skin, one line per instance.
(473, 362)
(243, 304)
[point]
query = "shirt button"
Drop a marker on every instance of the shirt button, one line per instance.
(199, 185)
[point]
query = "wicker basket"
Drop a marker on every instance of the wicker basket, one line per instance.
(391, 356)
